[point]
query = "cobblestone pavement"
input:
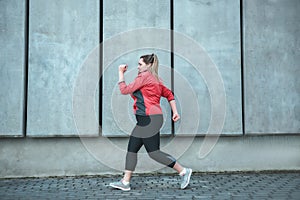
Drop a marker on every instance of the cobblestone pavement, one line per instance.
(276, 185)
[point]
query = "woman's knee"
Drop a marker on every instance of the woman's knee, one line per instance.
(162, 158)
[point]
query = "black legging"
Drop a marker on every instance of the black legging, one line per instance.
(146, 132)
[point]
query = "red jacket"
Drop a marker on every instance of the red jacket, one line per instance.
(146, 91)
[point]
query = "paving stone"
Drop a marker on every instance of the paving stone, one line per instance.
(157, 186)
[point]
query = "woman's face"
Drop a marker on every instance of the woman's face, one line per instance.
(142, 66)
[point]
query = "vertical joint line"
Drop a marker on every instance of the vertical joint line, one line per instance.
(172, 55)
(100, 65)
(242, 64)
(26, 66)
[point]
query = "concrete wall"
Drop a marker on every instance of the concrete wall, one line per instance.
(121, 17)
(271, 63)
(215, 26)
(71, 156)
(12, 67)
(59, 41)
(260, 81)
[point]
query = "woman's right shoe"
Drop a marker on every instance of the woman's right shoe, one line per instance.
(186, 178)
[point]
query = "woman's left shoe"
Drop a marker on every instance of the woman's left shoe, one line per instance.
(120, 185)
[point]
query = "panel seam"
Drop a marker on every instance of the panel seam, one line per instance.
(172, 58)
(26, 66)
(100, 66)
(242, 65)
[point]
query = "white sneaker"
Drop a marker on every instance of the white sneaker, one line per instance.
(186, 178)
(120, 185)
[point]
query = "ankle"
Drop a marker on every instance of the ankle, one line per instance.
(183, 172)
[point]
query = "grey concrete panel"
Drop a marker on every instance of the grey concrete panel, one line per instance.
(119, 17)
(215, 26)
(62, 34)
(69, 157)
(12, 40)
(272, 58)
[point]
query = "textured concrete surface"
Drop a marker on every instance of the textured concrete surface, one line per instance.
(61, 38)
(91, 156)
(61, 35)
(215, 26)
(280, 185)
(271, 62)
(12, 61)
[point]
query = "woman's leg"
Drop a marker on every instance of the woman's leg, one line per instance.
(134, 146)
(152, 146)
(127, 176)
(178, 167)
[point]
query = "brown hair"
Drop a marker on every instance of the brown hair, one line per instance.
(153, 60)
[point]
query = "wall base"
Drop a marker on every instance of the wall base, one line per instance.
(29, 157)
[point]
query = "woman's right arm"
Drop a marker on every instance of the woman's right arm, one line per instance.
(132, 87)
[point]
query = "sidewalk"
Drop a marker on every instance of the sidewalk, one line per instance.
(264, 185)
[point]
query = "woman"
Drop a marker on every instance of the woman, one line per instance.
(146, 90)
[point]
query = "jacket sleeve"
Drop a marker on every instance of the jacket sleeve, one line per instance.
(167, 93)
(132, 87)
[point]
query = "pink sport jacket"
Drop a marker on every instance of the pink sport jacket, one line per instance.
(146, 92)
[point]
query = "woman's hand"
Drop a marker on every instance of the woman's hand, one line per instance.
(175, 117)
(123, 68)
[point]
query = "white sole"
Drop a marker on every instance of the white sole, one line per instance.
(120, 188)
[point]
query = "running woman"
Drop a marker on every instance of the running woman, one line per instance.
(146, 91)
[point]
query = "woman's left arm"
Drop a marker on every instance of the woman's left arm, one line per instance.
(175, 116)
(167, 93)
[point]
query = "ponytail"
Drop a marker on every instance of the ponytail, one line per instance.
(153, 60)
